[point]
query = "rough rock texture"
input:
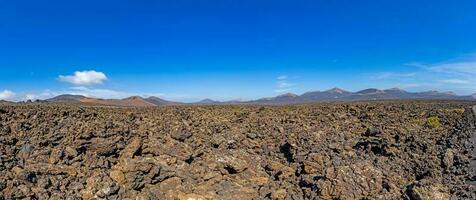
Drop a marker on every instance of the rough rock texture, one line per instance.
(368, 150)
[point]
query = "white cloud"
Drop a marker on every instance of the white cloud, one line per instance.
(462, 68)
(7, 95)
(34, 96)
(387, 75)
(90, 77)
(415, 64)
(455, 81)
(463, 65)
(23, 96)
(282, 90)
(457, 74)
(283, 85)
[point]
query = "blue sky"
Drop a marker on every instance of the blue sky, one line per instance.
(188, 50)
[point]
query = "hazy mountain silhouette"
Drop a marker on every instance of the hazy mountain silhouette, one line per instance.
(158, 101)
(66, 98)
(334, 94)
(207, 101)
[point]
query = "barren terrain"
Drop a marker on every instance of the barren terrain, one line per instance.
(360, 150)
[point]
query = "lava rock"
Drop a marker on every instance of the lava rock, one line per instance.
(372, 131)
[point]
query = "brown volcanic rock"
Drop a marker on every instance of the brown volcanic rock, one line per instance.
(134, 101)
(137, 102)
(377, 150)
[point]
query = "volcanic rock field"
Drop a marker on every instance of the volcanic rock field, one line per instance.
(359, 150)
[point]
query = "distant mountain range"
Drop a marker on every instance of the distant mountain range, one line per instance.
(337, 94)
(129, 101)
(334, 94)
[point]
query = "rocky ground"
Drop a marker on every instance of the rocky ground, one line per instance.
(365, 150)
